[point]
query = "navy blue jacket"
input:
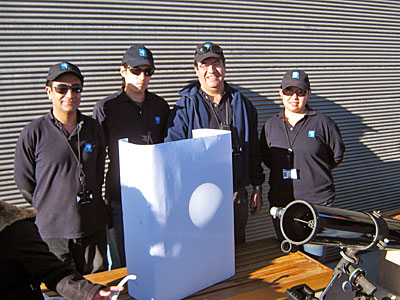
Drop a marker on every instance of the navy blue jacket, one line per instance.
(190, 113)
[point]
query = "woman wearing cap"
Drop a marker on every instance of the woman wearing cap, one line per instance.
(301, 147)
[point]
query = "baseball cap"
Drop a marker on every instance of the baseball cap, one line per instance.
(138, 55)
(297, 78)
(206, 50)
(62, 68)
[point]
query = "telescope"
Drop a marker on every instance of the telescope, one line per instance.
(304, 223)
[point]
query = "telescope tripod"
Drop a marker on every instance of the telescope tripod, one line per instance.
(357, 282)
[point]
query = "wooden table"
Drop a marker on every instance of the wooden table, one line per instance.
(262, 272)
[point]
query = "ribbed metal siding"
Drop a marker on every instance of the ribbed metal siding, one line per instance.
(349, 48)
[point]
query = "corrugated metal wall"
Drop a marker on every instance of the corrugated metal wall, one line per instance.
(349, 48)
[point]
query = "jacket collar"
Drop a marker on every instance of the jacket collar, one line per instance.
(10, 214)
(309, 112)
(193, 88)
(123, 96)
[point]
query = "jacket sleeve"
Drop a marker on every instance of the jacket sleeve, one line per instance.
(100, 161)
(336, 145)
(74, 286)
(265, 152)
(26, 248)
(166, 113)
(256, 171)
(98, 113)
(178, 124)
(25, 164)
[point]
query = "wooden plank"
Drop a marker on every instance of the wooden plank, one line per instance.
(262, 272)
(271, 280)
(108, 278)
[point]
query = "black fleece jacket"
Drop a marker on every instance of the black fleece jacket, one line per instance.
(26, 262)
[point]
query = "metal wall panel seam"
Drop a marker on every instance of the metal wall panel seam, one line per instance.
(346, 39)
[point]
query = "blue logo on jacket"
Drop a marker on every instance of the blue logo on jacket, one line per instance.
(88, 147)
(157, 120)
(311, 133)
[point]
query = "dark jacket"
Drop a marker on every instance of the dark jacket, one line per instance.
(25, 261)
(121, 118)
(317, 147)
(47, 174)
(190, 113)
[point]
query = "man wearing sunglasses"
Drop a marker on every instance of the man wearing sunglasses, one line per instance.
(210, 102)
(133, 113)
(301, 147)
(59, 169)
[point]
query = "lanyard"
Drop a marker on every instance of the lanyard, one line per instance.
(291, 144)
(226, 97)
(82, 176)
(226, 114)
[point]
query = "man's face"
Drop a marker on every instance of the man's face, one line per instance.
(65, 93)
(211, 73)
(137, 78)
(294, 99)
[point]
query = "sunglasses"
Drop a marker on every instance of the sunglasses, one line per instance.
(63, 88)
(290, 92)
(207, 47)
(137, 71)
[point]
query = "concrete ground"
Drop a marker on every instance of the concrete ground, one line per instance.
(370, 265)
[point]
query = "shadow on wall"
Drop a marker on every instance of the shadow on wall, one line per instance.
(363, 181)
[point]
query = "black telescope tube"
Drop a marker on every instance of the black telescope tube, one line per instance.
(302, 222)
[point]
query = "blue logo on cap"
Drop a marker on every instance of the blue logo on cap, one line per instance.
(157, 120)
(296, 75)
(88, 147)
(311, 133)
(65, 66)
(208, 45)
(142, 52)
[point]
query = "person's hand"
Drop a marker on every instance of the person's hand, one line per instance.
(105, 293)
(256, 201)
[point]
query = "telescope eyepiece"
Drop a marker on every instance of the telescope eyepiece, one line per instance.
(286, 246)
(277, 212)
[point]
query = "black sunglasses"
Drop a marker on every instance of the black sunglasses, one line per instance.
(290, 92)
(137, 71)
(208, 47)
(63, 88)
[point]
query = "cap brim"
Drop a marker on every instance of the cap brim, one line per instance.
(296, 83)
(54, 77)
(201, 57)
(139, 62)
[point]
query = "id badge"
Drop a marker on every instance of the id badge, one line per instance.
(290, 174)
